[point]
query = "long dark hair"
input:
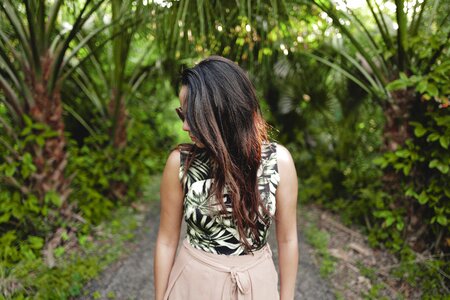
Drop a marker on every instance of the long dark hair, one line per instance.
(223, 113)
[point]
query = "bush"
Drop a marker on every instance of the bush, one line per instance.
(25, 218)
(36, 233)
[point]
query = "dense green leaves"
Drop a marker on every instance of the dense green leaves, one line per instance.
(401, 191)
(359, 94)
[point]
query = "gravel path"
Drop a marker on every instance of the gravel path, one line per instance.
(131, 277)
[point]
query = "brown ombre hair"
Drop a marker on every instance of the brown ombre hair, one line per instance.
(223, 113)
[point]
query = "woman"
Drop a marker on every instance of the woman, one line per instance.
(228, 185)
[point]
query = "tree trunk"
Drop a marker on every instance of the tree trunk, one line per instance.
(51, 158)
(397, 115)
(395, 133)
(118, 115)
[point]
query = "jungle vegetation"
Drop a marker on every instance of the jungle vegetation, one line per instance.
(357, 90)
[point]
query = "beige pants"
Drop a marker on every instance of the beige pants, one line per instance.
(199, 275)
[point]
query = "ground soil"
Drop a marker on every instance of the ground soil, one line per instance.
(359, 269)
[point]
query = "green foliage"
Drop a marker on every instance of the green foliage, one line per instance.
(319, 240)
(105, 176)
(337, 171)
(424, 163)
(345, 172)
(421, 271)
(433, 85)
(27, 222)
(31, 278)
(377, 287)
(399, 197)
(25, 218)
(325, 116)
(373, 293)
(93, 170)
(352, 185)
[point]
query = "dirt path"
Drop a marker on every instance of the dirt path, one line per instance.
(132, 276)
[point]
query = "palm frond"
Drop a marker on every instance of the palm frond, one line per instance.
(401, 35)
(80, 119)
(18, 27)
(50, 26)
(335, 15)
(340, 69)
(63, 47)
(33, 40)
(12, 100)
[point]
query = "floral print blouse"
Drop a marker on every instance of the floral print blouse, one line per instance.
(210, 231)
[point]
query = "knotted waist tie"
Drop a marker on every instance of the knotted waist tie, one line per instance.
(240, 277)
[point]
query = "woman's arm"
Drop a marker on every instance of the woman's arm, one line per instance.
(170, 223)
(286, 223)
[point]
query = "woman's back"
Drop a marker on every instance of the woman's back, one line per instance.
(229, 186)
(207, 228)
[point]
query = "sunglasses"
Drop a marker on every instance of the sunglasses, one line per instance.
(180, 113)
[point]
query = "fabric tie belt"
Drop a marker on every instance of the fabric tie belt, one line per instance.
(240, 277)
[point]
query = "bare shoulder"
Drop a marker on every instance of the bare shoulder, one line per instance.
(171, 170)
(170, 187)
(287, 190)
(283, 153)
(174, 159)
(284, 157)
(286, 167)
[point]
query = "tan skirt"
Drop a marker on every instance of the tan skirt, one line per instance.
(199, 275)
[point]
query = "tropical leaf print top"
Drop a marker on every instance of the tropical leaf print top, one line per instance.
(207, 229)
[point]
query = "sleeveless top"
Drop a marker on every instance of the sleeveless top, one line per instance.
(207, 229)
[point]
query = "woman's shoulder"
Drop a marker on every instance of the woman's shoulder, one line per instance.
(173, 160)
(284, 157)
(281, 151)
(171, 170)
(178, 155)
